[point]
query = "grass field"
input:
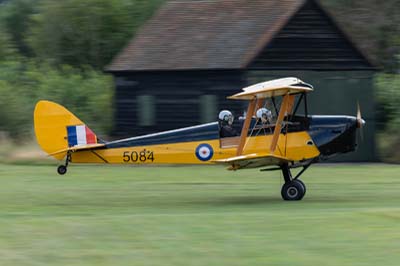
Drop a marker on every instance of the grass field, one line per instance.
(99, 215)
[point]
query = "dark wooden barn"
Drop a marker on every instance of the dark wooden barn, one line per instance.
(178, 70)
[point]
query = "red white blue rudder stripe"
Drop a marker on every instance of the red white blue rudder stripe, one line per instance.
(80, 135)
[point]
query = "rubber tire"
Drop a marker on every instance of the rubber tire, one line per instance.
(292, 191)
(304, 186)
(61, 170)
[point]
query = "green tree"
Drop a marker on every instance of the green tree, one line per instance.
(15, 18)
(15, 106)
(7, 47)
(90, 32)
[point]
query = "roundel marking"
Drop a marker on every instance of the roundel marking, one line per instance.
(204, 152)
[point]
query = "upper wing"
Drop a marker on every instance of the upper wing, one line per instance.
(253, 160)
(273, 88)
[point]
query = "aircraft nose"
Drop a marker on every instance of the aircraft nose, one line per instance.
(334, 134)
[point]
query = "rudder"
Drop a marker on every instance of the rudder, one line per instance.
(57, 129)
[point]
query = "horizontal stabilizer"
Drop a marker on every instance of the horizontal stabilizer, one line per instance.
(253, 160)
(78, 148)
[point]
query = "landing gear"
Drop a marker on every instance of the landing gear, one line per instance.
(294, 188)
(302, 183)
(62, 169)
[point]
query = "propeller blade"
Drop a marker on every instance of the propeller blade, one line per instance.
(360, 121)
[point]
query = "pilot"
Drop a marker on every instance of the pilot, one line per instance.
(226, 120)
(264, 115)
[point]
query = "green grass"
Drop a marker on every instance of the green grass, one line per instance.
(99, 215)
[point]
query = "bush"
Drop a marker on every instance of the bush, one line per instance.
(388, 96)
(85, 92)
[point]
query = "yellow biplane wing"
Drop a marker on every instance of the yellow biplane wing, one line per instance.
(274, 88)
(253, 160)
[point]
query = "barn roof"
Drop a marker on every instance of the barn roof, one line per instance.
(205, 34)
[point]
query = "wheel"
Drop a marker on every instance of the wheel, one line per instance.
(292, 191)
(302, 183)
(62, 169)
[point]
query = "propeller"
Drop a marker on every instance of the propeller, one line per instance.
(360, 121)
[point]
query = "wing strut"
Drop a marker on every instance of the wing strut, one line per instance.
(286, 107)
(245, 129)
(259, 104)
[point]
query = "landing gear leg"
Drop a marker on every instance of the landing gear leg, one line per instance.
(62, 169)
(294, 188)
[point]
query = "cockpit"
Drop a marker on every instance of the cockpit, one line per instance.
(265, 114)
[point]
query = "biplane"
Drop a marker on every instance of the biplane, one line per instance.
(288, 139)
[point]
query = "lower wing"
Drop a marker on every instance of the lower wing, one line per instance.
(253, 160)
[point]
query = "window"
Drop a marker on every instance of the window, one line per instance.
(146, 110)
(208, 108)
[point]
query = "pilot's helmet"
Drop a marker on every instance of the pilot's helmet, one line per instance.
(264, 114)
(226, 117)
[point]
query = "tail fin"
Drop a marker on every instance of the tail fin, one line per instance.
(57, 129)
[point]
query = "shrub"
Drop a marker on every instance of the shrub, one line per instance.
(388, 96)
(85, 92)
